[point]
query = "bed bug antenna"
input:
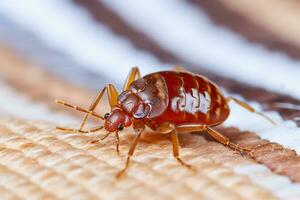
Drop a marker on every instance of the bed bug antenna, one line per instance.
(79, 109)
(266, 117)
(249, 108)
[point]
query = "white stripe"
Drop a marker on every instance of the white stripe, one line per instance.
(285, 133)
(68, 28)
(287, 106)
(282, 187)
(14, 104)
(187, 32)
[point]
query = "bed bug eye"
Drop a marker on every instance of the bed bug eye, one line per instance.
(120, 127)
(106, 115)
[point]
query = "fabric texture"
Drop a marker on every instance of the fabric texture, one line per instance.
(73, 48)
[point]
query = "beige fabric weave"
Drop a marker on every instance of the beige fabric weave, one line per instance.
(37, 162)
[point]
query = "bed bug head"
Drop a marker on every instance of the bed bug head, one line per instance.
(117, 120)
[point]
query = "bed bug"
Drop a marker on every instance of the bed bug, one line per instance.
(168, 102)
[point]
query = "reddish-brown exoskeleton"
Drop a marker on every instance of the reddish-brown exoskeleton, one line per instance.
(167, 102)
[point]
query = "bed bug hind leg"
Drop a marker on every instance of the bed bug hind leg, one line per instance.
(213, 133)
(225, 141)
(249, 108)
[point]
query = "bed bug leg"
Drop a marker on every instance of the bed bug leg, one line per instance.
(179, 68)
(133, 75)
(167, 127)
(243, 151)
(130, 153)
(117, 141)
(138, 127)
(105, 136)
(112, 94)
(249, 108)
(225, 141)
(69, 130)
(213, 133)
(175, 142)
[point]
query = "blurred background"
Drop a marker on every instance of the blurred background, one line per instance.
(69, 49)
(249, 48)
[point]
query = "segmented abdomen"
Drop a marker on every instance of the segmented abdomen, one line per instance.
(192, 99)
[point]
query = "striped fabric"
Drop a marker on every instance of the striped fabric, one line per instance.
(55, 49)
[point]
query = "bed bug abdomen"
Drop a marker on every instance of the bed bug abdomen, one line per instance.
(192, 99)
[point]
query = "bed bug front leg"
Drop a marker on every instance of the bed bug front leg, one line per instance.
(112, 94)
(117, 141)
(69, 130)
(139, 128)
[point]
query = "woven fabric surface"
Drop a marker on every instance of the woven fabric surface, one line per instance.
(73, 48)
(39, 162)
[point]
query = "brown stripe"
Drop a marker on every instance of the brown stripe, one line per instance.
(105, 16)
(222, 15)
(279, 159)
(38, 84)
(266, 98)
